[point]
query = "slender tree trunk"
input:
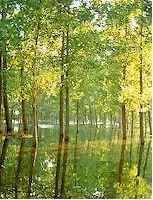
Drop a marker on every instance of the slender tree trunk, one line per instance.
(20, 124)
(6, 107)
(18, 167)
(11, 119)
(1, 94)
(149, 145)
(104, 120)
(141, 117)
(145, 123)
(111, 120)
(76, 142)
(66, 136)
(83, 117)
(100, 118)
(25, 130)
(141, 148)
(120, 123)
(34, 117)
(123, 147)
(34, 143)
(150, 122)
(95, 112)
(124, 130)
(90, 113)
(61, 123)
(131, 142)
(85, 114)
(8, 125)
(91, 122)
(23, 105)
(127, 124)
(96, 119)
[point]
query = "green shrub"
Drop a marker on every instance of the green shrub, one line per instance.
(133, 186)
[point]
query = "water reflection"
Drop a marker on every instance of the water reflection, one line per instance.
(94, 158)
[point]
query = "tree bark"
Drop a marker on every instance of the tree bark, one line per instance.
(61, 123)
(76, 142)
(96, 120)
(85, 115)
(6, 106)
(145, 124)
(131, 142)
(141, 148)
(123, 147)
(124, 123)
(90, 113)
(149, 144)
(104, 120)
(24, 129)
(23, 104)
(66, 136)
(141, 117)
(1, 94)
(34, 117)
(91, 122)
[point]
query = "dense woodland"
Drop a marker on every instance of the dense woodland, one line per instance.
(75, 99)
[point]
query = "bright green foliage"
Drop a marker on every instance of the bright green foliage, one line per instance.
(133, 186)
(104, 38)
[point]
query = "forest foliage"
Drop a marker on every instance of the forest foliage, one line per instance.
(85, 67)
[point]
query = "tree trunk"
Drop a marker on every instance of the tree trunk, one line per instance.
(34, 118)
(23, 104)
(61, 123)
(145, 124)
(111, 121)
(96, 120)
(124, 124)
(66, 136)
(131, 142)
(1, 94)
(149, 145)
(90, 113)
(104, 120)
(6, 106)
(91, 122)
(141, 148)
(76, 142)
(123, 147)
(24, 129)
(141, 120)
(18, 167)
(85, 115)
